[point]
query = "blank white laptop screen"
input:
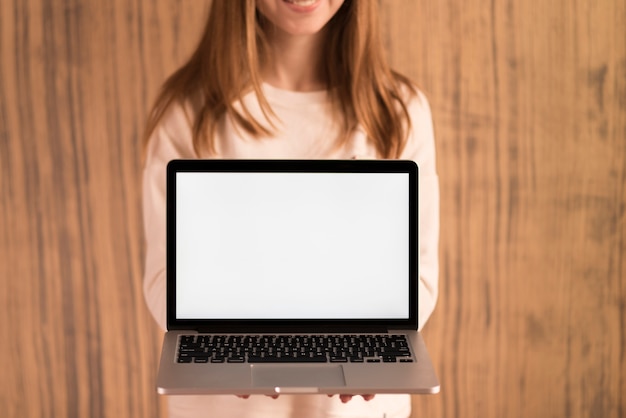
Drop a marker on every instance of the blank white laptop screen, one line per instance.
(292, 245)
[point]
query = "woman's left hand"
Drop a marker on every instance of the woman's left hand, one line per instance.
(347, 398)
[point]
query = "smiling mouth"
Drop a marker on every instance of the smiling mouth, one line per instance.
(303, 3)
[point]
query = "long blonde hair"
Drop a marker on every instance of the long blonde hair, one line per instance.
(226, 66)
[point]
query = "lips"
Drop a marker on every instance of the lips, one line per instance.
(302, 3)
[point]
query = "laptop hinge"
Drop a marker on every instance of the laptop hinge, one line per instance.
(273, 329)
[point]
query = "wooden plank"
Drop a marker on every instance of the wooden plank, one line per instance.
(77, 81)
(528, 101)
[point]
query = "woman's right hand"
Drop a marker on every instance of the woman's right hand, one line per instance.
(247, 396)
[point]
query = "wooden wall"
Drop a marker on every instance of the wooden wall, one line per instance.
(529, 102)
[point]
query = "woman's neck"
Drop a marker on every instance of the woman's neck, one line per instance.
(296, 62)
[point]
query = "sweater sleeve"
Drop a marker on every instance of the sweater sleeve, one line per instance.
(172, 139)
(420, 148)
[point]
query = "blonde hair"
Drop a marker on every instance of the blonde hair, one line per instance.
(226, 66)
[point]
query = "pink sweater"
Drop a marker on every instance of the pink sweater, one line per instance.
(305, 130)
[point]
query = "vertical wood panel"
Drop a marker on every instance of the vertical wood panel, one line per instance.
(76, 81)
(529, 105)
(529, 101)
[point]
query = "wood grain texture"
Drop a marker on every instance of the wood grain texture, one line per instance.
(76, 80)
(529, 103)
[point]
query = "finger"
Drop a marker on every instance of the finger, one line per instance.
(348, 398)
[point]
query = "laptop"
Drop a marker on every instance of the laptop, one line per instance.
(293, 277)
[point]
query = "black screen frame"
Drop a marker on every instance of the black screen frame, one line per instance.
(293, 166)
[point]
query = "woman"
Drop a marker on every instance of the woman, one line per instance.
(293, 79)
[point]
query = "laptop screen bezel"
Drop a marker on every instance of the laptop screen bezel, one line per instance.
(292, 166)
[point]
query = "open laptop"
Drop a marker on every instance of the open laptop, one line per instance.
(293, 276)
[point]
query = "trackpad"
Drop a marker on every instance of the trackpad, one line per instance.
(292, 376)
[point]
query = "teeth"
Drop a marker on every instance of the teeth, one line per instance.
(301, 2)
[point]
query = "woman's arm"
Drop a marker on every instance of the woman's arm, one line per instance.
(421, 149)
(170, 140)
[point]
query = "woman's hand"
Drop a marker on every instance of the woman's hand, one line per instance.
(343, 398)
(247, 396)
(348, 398)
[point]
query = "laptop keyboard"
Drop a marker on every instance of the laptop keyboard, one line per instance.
(382, 348)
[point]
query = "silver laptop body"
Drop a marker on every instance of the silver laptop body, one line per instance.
(293, 276)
